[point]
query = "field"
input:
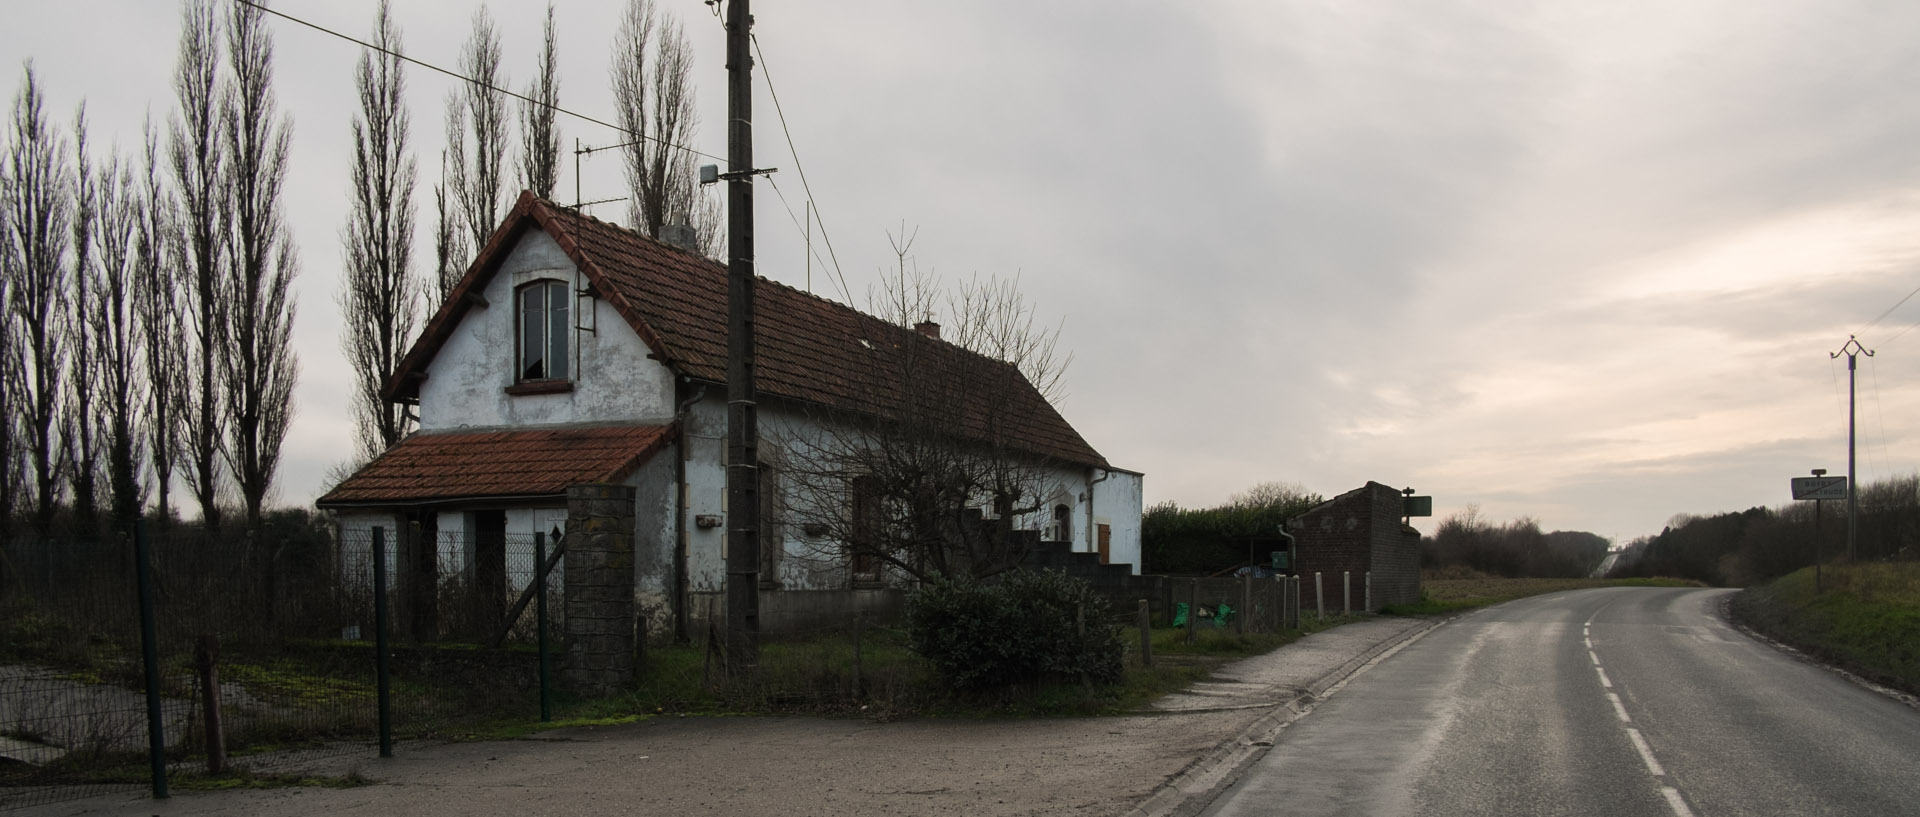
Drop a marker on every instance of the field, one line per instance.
(1865, 618)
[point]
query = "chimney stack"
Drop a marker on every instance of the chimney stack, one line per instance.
(680, 235)
(928, 328)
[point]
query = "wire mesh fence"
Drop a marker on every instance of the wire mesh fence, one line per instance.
(264, 653)
(1267, 604)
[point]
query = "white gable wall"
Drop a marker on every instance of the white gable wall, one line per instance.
(614, 380)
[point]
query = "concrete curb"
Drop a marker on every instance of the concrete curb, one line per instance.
(1194, 787)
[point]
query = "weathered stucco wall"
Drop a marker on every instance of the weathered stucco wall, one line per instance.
(613, 378)
(1117, 503)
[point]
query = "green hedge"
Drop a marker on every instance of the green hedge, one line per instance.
(1026, 626)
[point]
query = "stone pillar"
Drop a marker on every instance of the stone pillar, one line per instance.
(599, 589)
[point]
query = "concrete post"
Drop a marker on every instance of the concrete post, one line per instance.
(598, 589)
(1319, 598)
(1346, 592)
(1369, 581)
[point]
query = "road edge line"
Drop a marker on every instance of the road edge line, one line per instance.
(1194, 787)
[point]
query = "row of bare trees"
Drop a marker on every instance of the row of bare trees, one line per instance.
(382, 299)
(146, 297)
(147, 306)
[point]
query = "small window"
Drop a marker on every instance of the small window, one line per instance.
(543, 331)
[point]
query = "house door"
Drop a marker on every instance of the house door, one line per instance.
(1106, 542)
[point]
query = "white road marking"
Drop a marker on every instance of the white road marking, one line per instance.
(1675, 802)
(1596, 658)
(1646, 752)
(1604, 680)
(1618, 708)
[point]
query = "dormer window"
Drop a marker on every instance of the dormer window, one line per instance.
(541, 310)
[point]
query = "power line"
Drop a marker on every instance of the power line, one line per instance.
(785, 205)
(1882, 316)
(807, 188)
(464, 78)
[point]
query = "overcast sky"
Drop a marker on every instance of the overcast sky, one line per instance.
(1579, 261)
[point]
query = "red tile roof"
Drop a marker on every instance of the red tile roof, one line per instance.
(431, 467)
(809, 348)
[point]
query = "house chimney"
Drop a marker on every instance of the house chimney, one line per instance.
(928, 328)
(680, 235)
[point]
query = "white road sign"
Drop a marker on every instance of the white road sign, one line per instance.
(1819, 487)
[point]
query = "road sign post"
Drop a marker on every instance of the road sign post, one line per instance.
(1819, 487)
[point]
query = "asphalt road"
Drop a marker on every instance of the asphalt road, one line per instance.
(1638, 702)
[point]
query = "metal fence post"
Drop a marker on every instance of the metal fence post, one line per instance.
(150, 657)
(1319, 598)
(1369, 581)
(1193, 606)
(1246, 596)
(1346, 592)
(540, 616)
(382, 680)
(1146, 634)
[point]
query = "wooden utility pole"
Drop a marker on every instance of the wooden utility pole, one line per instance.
(743, 435)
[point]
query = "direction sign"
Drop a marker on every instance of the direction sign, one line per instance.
(1819, 487)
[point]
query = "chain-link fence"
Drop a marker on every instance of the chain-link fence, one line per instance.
(264, 654)
(1246, 604)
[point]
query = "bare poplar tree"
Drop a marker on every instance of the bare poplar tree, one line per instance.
(11, 384)
(113, 329)
(162, 327)
(198, 157)
(450, 251)
(38, 189)
(933, 478)
(79, 422)
(380, 297)
(654, 100)
(477, 135)
(260, 363)
(539, 134)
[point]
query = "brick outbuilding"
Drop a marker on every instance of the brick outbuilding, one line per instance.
(1358, 533)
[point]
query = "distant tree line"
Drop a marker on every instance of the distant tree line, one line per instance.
(1204, 541)
(1759, 544)
(1516, 549)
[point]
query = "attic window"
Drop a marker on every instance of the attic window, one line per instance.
(542, 332)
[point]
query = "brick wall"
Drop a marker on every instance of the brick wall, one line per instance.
(1354, 533)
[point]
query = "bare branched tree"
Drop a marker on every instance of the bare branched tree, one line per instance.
(449, 237)
(380, 296)
(939, 478)
(113, 323)
(162, 326)
(80, 421)
(654, 99)
(477, 137)
(539, 133)
(38, 189)
(10, 382)
(199, 159)
(261, 366)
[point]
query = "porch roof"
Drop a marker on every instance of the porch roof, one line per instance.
(518, 464)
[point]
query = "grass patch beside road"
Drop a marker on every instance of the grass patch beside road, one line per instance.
(1453, 595)
(1866, 621)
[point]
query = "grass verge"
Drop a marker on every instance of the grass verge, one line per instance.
(1441, 596)
(1865, 619)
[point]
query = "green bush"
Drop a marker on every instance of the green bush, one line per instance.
(1026, 626)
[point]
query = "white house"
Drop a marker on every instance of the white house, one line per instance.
(575, 351)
